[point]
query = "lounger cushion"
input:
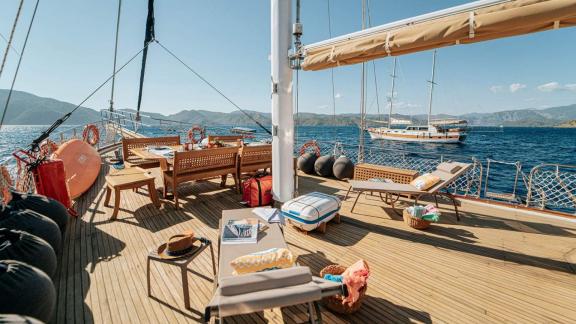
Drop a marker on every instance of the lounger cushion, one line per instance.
(425, 181)
(449, 167)
(237, 285)
(275, 258)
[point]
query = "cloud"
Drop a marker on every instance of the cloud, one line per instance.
(496, 88)
(402, 104)
(516, 86)
(338, 95)
(322, 107)
(555, 86)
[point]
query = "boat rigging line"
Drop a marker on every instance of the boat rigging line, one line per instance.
(11, 37)
(36, 143)
(362, 96)
(11, 46)
(373, 65)
(115, 55)
(212, 86)
(19, 58)
(331, 69)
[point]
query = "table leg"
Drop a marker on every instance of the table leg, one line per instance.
(116, 203)
(356, 200)
(153, 194)
(184, 270)
(148, 277)
(108, 194)
(213, 261)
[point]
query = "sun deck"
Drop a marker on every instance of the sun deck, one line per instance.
(495, 265)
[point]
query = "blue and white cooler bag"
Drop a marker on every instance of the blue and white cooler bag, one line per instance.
(309, 211)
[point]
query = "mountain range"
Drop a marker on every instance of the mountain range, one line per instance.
(28, 109)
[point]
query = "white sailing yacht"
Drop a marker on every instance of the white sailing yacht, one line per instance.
(436, 131)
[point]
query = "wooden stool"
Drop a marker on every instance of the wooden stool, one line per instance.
(130, 178)
(183, 264)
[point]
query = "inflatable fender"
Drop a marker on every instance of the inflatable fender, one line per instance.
(323, 166)
(27, 248)
(25, 290)
(33, 223)
(48, 207)
(343, 168)
(17, 319)
(306, 162)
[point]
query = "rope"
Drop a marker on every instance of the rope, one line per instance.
(212, 86)
(11, 46)
(35, 144)
(115, 56)
(19, 62)
(9, 41)
(332, 69)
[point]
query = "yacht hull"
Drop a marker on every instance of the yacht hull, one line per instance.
(418, 136)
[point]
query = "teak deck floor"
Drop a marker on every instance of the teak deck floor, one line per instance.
(493, 266)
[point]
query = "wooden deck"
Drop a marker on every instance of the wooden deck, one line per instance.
(493, 266)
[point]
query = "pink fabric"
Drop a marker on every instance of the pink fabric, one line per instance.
(429, 209)
(355, 278)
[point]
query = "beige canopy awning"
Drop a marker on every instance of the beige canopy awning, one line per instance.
(489, 20)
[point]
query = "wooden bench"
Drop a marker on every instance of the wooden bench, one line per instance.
(199, 165)
(131, 160)
(132, 178)
(254, 158)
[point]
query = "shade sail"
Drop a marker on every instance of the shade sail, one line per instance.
(477, 24)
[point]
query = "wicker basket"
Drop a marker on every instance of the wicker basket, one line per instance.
(414, 222)
(334, 303)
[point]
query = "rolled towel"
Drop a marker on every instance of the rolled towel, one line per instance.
(449, 167)
(331, 277)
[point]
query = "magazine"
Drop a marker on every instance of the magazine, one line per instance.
(243, 231)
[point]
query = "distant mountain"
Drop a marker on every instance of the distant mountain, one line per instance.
(568, 124)
(28, 109)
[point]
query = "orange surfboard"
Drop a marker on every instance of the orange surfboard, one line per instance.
(81, 164)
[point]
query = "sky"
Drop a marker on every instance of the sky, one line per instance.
(70, 52)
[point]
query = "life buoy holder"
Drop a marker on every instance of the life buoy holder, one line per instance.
(47, 148)
(91, 134)
(194, 132)
(310, 144)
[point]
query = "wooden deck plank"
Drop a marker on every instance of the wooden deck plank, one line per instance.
(494, 266)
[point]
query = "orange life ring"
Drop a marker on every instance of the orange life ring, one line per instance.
(91, 134)
(313, 144)
(47, 148)
(196, 130)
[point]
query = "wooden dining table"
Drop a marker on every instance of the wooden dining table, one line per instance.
(165, 162)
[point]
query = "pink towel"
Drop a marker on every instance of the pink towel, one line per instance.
(355, 278)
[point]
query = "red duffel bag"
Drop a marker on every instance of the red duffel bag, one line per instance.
(257, 191)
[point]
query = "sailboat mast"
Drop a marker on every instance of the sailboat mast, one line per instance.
(362, 96)
(392, 94)
(115, 56)
(432, 83)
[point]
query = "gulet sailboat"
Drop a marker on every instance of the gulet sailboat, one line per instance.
(446, 131)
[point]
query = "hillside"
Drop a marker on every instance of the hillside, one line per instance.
(28, 109)
(568, 124)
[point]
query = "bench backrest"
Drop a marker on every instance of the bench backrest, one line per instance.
(257, 155)
(205, 160)
(225, 138)
(132, 143)
(366, 171)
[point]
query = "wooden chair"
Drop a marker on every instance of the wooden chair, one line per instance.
(131, 160)
(198, 165)
(254, 158)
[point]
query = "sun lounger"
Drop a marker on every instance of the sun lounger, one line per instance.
(255, 292)
(448, 172)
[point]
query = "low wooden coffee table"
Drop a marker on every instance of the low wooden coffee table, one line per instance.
(129, 178)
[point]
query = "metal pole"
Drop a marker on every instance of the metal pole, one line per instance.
(392, 94)
(431, 87)
(282, 104)
(115, 56)
(362, 96)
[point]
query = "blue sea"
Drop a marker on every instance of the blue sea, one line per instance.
(529, 146)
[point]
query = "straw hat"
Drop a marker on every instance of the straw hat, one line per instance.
(178, 246)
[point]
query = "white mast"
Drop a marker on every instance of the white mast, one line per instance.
(432, 83)
(392, 94)
(282, 110)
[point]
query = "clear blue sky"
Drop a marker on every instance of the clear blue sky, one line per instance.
(71, 50)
